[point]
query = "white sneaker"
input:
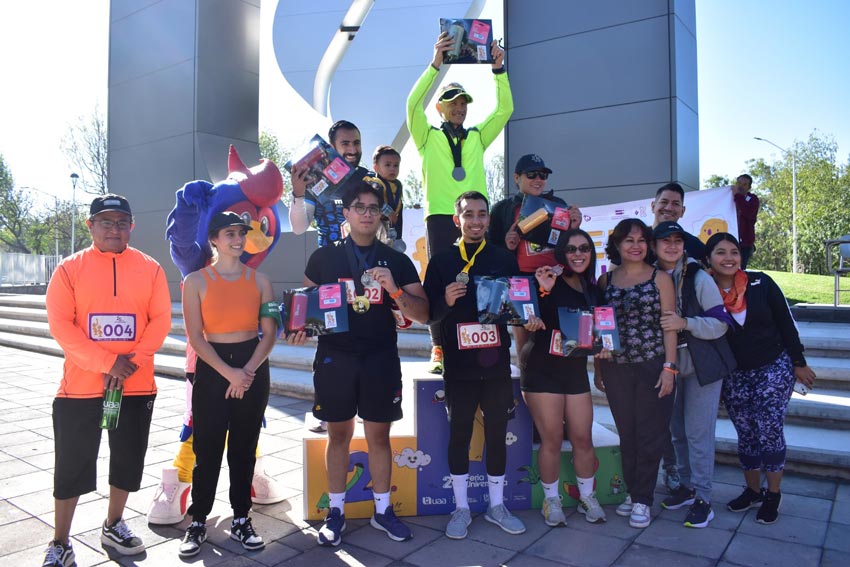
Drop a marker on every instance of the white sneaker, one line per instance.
(591, 509)
(625, 509)
(171, 499)
(640, 517)
(264, 489)
(553, 512)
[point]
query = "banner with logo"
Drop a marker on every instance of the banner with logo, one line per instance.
(706, 212)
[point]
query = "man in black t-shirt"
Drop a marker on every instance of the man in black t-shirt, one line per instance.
(476, 359)
(359, 372)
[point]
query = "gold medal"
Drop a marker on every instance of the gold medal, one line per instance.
(361, 304)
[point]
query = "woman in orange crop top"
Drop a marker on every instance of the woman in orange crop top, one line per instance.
(221, 310)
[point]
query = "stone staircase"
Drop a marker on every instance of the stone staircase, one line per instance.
(817, 430)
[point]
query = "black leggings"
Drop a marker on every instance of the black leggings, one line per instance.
(213, 417)
(496, 399)
(440, 234)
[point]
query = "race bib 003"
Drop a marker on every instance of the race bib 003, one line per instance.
(112, 326)
(476, 335)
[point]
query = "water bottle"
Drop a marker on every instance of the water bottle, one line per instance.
(111, 408)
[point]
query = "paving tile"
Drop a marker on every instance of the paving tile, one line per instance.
(706, 542)
(840, 513)
(25, 484)
(838, 538)
(645, 556)
(15, 467)
(525, 560)
(805, 507)
(832, 558)
(275, 553)
(788, 528)
(807, 486)
(564, 545)
(342, 555)
(445, 551)
(487, 532)
(24, 534)
(10, 513)
(843, 493)
(377, 541)
(616, 526)
(14, 438)
(756, 551)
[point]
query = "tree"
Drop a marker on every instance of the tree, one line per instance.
(494, 173)
(715, 180)
(15, 212)
(414, 193)
(86, 146)
(823, 205)
(271, 150)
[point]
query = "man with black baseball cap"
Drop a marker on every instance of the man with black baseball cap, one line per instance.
(452, 156)
(109, 309)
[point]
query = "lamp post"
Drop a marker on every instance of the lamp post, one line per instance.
(794, 265)
(74, 178)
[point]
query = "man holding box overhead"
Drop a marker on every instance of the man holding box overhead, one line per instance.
(452, 156)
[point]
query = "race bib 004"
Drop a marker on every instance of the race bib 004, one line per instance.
(112, 326)
(476, 335)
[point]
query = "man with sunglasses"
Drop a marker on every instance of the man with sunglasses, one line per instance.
(359, 372)
(109, 309)
(530, 176)
(452, 156)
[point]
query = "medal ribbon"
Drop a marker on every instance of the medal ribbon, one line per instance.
(464, 255)
(455, 146)
(359, 262)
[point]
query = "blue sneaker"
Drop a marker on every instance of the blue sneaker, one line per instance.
(331, 531)
(502, 517)
(388, 522)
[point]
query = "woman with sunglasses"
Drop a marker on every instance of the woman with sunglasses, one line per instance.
(641, 378)
(770, 358)
(556, 388)
(704, 360)
(530, 176)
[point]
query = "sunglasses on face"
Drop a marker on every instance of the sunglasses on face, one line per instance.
(537, 175)
(361, 209)
(570, 249)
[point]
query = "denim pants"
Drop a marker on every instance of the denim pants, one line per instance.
(693, 427)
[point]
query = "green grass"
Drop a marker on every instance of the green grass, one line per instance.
(809, 288)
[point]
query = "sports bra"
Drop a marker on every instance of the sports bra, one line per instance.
(230, 306)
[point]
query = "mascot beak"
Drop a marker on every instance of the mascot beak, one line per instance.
(256, 241)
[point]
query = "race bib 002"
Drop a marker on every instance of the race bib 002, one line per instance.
(373, 292)
(476, 335)
(112, 326)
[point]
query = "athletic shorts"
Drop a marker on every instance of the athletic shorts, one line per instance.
(76, 432)
(496, 398)
(536, 381)
(348, 384)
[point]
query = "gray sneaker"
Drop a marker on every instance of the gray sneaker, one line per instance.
(591, 509)
(460, 520)
(552, 511)
(625, 509)
(500, 516)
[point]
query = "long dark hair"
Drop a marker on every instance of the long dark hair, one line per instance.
(716, 239)
(589, 275)
(621, 231)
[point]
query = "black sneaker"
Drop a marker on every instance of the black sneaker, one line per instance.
(196, 534)
(681, 497)
(699, 515)
(121, 538)
(749, 498)
(58, 554)
(769, 511)
(241, 530)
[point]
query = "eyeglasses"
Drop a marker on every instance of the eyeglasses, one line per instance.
(121, 225)
(570, 249)
(361, 209)
(537, 175)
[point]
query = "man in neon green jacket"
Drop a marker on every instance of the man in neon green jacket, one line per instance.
(452, 156)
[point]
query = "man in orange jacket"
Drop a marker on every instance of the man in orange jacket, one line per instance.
(109, 309)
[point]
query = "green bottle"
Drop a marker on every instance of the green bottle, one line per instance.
(111, 408)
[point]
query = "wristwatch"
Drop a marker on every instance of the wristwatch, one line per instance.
(671, 366)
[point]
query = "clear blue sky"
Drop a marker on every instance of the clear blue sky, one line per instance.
(770, 68)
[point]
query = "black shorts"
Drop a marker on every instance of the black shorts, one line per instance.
(76, 432)
(348, 384)
(496, 398)
(543, 382)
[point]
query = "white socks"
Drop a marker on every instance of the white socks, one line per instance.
(459, 484)
(382, 502)
(585, 486)
(337, 500)
(550, 489)
(496, 486)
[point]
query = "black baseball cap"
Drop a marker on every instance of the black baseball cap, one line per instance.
(109, 202)
(225, 219)
(530, 162)
(666, 228)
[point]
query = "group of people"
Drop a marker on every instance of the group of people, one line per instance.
(693, 327)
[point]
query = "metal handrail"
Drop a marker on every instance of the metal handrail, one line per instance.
(830, 244)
